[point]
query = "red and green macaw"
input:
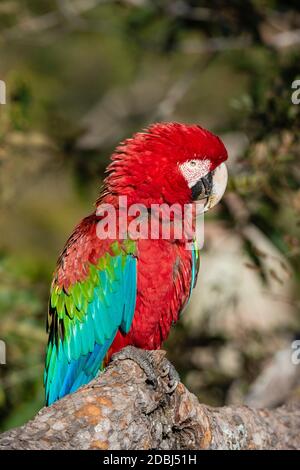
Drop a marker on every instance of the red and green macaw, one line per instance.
(108, 294)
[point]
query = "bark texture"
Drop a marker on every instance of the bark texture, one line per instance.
(119, 410)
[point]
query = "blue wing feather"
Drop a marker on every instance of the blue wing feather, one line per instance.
(74, 360)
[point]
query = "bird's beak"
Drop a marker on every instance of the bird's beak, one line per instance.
(219, 183)
(215, 184)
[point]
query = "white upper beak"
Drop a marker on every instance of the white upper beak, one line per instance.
(220, 178)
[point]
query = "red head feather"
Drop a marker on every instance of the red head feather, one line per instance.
(145, 167)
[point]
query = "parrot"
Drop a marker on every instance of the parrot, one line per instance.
(121, 295)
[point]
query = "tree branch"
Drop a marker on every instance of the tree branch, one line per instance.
(119, 410)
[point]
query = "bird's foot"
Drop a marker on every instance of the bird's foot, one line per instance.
(143, 358)
(166, 375)
(169, 371)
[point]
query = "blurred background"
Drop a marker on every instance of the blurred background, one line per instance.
(81, 75)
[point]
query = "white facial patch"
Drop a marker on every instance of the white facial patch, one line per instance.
(193, 170)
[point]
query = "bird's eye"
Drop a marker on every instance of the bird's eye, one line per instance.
(193, 163)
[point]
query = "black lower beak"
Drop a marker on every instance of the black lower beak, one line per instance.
(202, 189)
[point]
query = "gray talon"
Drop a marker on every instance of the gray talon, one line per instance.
(153, 381)
(174, 379)
(171, 386)
(165, 370)
(144, 359)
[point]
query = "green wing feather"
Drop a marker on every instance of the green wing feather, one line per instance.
(84, 319)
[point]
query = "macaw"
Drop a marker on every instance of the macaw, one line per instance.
(116, 294)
